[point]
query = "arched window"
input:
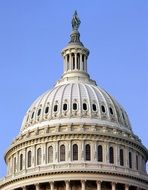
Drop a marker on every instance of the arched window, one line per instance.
(121, 158)
(39, 156)
(87, 152)
(50, 154)
(21, 161)
(130, 160)
(111, 155)
(62, 153)
(14, 164)
(100, 154)
(75, 152)
(29, 159)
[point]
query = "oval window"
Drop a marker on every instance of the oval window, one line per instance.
(46, 110)
(84, 106)
(94, 107)
(64, 107)
(111, 110)
(103, 109)
(55, 108)
(39, 112)
(75, 106)
(32, 116)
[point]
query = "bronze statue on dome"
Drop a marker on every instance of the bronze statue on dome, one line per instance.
(75, 21)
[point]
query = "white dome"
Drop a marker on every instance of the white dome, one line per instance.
(76, 102)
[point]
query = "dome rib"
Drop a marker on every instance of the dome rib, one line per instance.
(89, 99)
(97, 100)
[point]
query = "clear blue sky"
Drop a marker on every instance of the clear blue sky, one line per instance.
(32, 34)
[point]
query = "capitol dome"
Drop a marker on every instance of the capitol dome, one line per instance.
(76, 102)
(76, 136)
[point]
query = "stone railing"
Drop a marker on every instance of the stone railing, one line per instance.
(78, 166)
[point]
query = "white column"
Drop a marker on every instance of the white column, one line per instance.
(85, 63)
(37, 187)
(67, 185)
(113, 186)
(56, 149)
(126, 187)
(82, 185)
(24, 188)
(98, 185)
(51, 185)
(33, 159)
(81, 64)
(17, 162)
(82, 149)
(65, 64)
(44, 154)
(70, 65)
(69, 150)
(75, 61)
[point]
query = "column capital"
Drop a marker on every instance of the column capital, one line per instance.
(24, 188)
(98, 181)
